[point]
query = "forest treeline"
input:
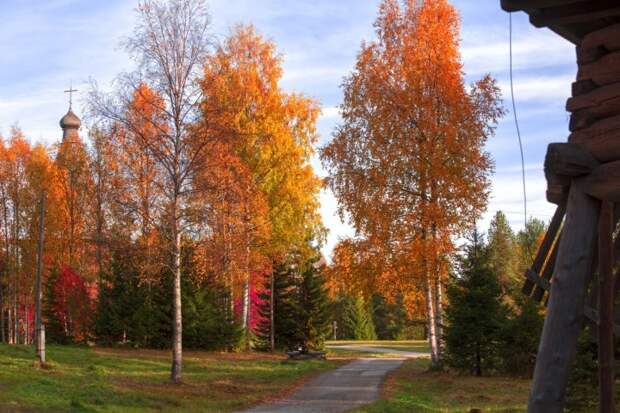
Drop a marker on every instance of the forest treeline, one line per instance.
(224, 199)
(188, 212)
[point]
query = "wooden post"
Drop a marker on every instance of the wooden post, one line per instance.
(563, 323)
(39, 332)
(606, 309)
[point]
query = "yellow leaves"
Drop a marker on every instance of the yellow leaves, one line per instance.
(272, 132)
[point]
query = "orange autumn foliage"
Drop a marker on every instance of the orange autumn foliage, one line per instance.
(407, 163)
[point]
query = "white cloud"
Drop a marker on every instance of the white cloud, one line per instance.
(552, 88)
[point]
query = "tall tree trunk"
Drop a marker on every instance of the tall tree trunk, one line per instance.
(272, 330)
(39, 343)
(439, 312)
(246, 291)
(430, 309)
(177, 322)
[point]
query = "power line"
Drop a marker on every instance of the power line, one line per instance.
(514, 111)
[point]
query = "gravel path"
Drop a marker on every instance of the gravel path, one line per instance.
(345, 388)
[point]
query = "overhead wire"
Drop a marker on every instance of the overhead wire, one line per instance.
(516, 119)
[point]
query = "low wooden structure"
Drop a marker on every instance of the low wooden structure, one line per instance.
(573, 270)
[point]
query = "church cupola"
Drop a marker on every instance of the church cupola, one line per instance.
(70, 123)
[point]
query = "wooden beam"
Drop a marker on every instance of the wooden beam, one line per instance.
(538, 281)
(569, 159)
(545, 246)
(540, 289)
(604, 182)
(603, 71)
(601, 139)
(518, 5)
(558, 342)
(606, 309)
(574, 13)
(607, 39)
(595, 98)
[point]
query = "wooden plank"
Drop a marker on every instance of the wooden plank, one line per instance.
(604, 182)
(540, 289)
(606, 309)
(566, 302)
(545, 246)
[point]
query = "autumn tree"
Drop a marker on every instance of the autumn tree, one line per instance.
(169, 43)
(407, 163)
(272, 134)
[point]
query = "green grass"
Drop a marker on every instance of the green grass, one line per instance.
(414, 389)
(80, 379)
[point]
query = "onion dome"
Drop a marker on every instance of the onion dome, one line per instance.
(70, 121)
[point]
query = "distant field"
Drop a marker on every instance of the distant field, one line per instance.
(81, 379)
(414, 389)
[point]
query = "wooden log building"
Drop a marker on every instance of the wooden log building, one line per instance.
(573, 270)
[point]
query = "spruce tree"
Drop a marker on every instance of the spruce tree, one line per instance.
(390, 319)
(358, 321)
(314, 308)
(503, 256)
(286, 310)
(475, 314)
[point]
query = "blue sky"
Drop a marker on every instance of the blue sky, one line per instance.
(45, 44)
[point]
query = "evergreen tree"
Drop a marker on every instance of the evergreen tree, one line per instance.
(390, 319)
(476, 314)
(528, 241)
(208, 322)
(520, 336)
(120, 302)
(131, 310)
(314, 308)
(503, 256)
(286, 310)
(358, 322)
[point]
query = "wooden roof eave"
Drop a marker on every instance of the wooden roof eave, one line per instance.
(571, 19)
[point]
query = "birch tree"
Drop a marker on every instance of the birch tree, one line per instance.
(169, 44)
(407, 163)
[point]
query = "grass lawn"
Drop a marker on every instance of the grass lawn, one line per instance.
(404, 345)
(81, 379)
(413, 389)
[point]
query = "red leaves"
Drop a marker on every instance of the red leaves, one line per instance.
(73, 303)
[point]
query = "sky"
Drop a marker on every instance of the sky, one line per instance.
(48, 44)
